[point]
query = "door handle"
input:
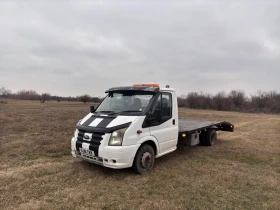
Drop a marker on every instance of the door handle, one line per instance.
(173, 121)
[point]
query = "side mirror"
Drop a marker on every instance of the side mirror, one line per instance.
(92, 109)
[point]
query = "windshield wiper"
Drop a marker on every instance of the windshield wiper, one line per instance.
(131, 111)
(109, 112)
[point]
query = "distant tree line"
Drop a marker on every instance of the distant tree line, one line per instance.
(33, 95)
(235, 100)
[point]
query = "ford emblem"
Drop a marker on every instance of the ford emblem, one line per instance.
(86, 137)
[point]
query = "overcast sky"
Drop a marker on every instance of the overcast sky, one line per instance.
(76, 47)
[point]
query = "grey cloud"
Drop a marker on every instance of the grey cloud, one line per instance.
(192, 46)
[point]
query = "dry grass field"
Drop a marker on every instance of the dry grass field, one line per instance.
(242, 171)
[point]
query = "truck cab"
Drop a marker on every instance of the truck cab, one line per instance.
(130, 128)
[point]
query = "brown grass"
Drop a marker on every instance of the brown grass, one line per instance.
(242, 171)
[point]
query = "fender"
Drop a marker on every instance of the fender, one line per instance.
(149, 138)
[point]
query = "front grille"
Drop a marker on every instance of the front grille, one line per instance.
(94, 143)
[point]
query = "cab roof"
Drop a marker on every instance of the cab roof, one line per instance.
(133, 88)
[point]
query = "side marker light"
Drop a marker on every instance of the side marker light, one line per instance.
(139, 131)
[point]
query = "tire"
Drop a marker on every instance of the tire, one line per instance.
(210, 137)
(144, 160)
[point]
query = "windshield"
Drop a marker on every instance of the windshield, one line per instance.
(125, 102)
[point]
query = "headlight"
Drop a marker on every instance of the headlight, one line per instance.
(117, 137)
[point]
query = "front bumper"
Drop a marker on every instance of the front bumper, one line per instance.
(119, 156)
(110, 156)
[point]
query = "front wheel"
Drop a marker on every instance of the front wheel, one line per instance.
(144, 159)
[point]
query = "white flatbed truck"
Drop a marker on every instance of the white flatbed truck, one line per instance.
(134, 125)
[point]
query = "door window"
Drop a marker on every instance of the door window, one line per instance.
(162, 109)
(166, 105)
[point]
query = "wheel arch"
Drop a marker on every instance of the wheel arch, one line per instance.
(153, 145)
(152, 141)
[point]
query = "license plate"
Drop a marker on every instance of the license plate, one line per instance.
(86, 152)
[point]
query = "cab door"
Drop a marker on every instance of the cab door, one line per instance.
(162, 125)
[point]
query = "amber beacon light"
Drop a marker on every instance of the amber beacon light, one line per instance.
(151, 85)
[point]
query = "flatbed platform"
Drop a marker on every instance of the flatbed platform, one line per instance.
(191, 126)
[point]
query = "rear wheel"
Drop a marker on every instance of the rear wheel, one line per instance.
(208, 138)
(144, 159)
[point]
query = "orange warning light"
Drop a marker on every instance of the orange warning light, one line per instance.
(150, 85)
